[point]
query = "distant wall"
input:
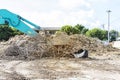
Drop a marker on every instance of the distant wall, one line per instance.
(116, 44)
(51, 30)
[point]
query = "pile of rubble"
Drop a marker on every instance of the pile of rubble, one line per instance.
(64, 45)
(23, 47)
(58, 45)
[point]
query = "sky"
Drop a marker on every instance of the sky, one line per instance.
(57, 13)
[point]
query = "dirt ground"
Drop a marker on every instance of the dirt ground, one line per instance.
(93, 68)
(41, 58)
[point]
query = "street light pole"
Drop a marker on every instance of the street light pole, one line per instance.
(108, 11)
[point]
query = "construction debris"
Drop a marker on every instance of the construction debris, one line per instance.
(64, 45)
(81, 54)
(22, 47)
(57, 45)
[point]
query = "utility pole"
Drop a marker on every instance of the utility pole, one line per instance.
(108, 11)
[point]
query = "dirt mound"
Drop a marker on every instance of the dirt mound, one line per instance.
(58, 45)
(22, 47)
(64, 45)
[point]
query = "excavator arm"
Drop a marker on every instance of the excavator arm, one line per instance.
(18, 22)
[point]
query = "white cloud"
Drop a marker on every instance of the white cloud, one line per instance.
(52, 13)
(72, 4)
(98, 1)
(54, 16)
(59, 18)
(96, 24)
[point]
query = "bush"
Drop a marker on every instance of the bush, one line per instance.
(97, 33)
(77, 29)
(67, 28)
(6, 32)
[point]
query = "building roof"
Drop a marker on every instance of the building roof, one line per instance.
(51, 28)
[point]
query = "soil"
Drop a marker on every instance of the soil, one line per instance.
(93, 68)
(49, 58)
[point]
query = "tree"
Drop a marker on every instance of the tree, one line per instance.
(67, 28)
(75, 30)
(97, 33)
(78, 29)
(84, 30)
(6, 32)
(113, 35)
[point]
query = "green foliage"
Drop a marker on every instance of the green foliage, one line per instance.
(77, 29)
(113, 35)
(97, 33)
(6, 32)
(84, 30)
(67, 28)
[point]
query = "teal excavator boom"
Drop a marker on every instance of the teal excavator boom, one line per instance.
(18, 22)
